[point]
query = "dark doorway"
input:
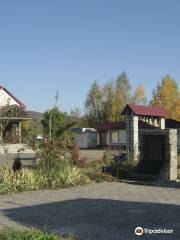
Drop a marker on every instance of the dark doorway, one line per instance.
(152, 154)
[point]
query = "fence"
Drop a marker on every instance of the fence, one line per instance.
(117, 151)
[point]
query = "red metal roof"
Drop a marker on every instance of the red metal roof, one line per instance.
(15, 98)
(145, 110)
(111, 126)
(104, 127)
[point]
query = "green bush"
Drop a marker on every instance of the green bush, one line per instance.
(99, 176)
(120, 169)
(11, 181)
(54, 170)
(28, 180)
(11, 234)
(54, 155)
(94, 171)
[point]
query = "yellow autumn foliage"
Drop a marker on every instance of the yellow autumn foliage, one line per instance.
(167, 95)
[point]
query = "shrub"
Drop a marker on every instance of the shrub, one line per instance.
(120, 169)
(28, 180)
(64, 177)
(99, 176)
(55, 170)
(94, 171)
(11, 181)
(54, 155)
(12, 234)
(106, 157)
(76, 157)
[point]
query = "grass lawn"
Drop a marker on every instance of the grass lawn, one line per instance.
(12, 234)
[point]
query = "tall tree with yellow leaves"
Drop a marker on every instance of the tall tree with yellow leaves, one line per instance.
(139, 96)
(167, 95)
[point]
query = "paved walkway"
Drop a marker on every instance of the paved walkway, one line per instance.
(106, 211)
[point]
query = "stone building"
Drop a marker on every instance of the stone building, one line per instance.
(137, 118)
(153, 116)
(146, 133)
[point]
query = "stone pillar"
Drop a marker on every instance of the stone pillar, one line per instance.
(169, 171)
(172, 154)
(132, 135)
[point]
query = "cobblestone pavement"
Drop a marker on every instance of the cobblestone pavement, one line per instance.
(97, 212)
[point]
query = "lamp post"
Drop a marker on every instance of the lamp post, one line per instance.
(50, 125)
(50, 116)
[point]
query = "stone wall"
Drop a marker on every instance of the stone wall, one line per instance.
(7, 159)
(169, 169)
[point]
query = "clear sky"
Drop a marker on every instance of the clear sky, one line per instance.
(47, 45)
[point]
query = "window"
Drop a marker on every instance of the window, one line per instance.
(114, 136)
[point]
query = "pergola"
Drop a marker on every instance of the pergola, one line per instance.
(11, 118)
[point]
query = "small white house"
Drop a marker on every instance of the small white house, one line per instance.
(85, 137)
(111, 133)
(7, 98)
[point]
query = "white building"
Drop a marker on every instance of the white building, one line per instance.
(7, 98)
(85, 137)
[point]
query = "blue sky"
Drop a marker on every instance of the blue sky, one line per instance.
(67, 44)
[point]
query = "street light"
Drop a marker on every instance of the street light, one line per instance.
(50, 125)
(50, 116)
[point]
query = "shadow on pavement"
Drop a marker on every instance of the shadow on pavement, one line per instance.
(164, 184)
(92, 219)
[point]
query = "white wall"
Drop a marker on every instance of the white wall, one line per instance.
(122, 136)
(86, 140)
(6, 99)
(162, 124)
(136, 136)
(81, 140)
(92, 139)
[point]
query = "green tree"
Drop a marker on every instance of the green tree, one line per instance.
(60, 123)
(94, 105)
(122, 94)
(30, 130)
(139, 96)
(76, 116)
(167, 95)
(109, 102)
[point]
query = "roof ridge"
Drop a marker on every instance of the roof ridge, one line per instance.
(15, 98)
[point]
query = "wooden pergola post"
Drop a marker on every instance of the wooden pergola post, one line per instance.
(20, 133)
